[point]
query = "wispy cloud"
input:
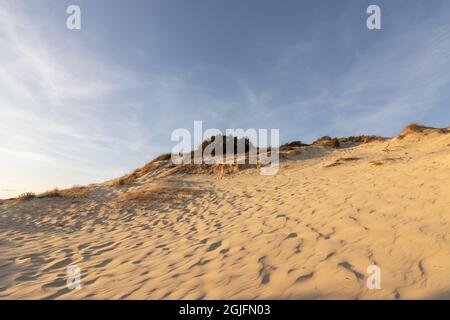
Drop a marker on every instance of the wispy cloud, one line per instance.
(73, 113)
(50, 101)
(401, 79)
(398, 78)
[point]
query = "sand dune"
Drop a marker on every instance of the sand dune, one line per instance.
(310, 231)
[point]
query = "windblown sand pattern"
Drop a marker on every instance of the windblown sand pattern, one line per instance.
(310, 231)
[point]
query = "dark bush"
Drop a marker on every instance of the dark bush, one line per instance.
(225, 143)
(327, 141)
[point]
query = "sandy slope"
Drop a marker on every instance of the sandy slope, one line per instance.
(308, 232)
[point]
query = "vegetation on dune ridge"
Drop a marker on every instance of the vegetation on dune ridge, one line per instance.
(221, 142)
(26, 196)
(292, 145)
(362, 139)
(136, 174)
(327, 141)
(212, 143)
(241, 145)
(74, 192)
(160, 194)
(415, 128)
(245, 144)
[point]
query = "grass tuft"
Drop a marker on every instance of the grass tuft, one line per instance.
(26, 196)
(418, 128)
(74, 192)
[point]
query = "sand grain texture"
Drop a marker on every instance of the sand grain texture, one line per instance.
(309, 232)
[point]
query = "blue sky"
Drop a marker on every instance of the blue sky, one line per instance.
(83, 106)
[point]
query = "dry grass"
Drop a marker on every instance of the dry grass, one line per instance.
(50, 194)
(327, 141)
(163, 157)
(224, 143)
(286, 148)
(220, 170)
(131, 177)
(74, 192)
(214, 169)
(411, 128)
(160, 194)
(361, 139)
(136, 174)
(26, 196)
(126, 179)
(292, 145)
(418, 128)
(414, 127)
(296, 143)
(225, 169)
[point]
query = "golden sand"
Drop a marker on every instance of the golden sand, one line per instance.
(309, 232)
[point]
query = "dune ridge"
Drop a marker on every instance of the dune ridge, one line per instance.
(185, 232)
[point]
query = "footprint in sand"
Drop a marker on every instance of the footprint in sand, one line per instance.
(304, 277)
(214, 246)
(103, 263)
(349, 267)
(22, 260)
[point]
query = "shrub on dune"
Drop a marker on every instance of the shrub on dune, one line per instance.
(26, 196)
(291, 145)
(361, 139)
(415, 128)
(327, 141)
(224, 143)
